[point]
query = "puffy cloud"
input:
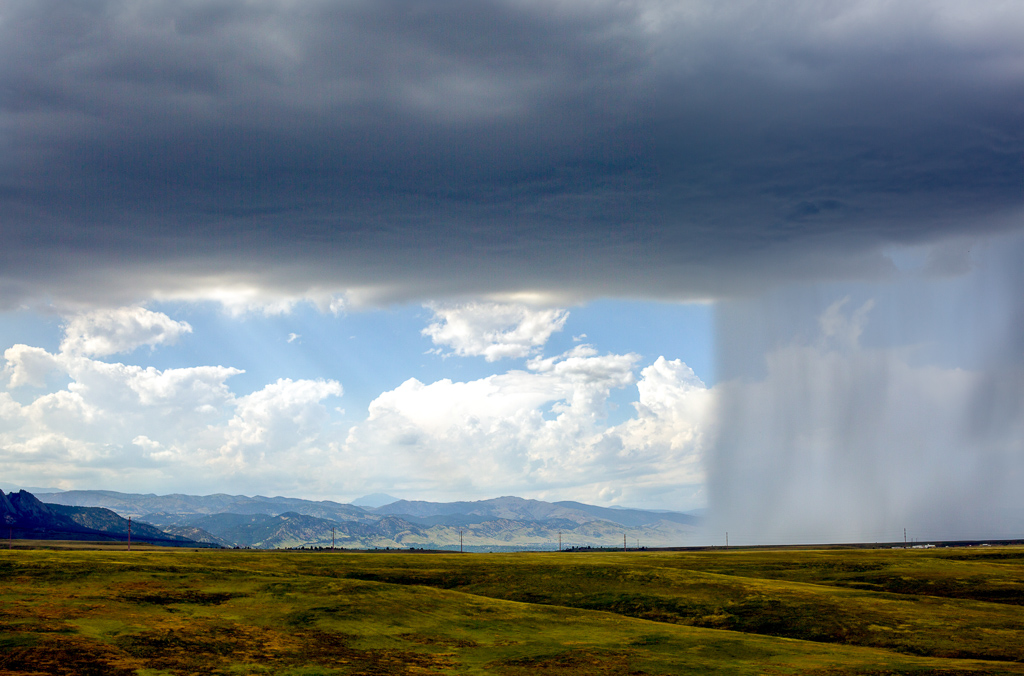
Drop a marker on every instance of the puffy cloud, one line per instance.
(109, 331)
(542, 429)
(493, 330)
(281, 415)
(124, 424)
(673, 415)
(109, 404)
(28, 365)
(130, 390)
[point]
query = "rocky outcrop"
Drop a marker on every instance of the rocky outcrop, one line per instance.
(23, 511)
(25, 516)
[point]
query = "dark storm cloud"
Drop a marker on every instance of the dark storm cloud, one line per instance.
(418, 148)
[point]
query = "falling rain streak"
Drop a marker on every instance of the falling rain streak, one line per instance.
(846, 412)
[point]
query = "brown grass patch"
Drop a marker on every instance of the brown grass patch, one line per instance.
(423, 639)
(577, 661)
(66, 656)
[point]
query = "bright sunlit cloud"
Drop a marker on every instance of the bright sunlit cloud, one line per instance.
(493, 330)
(538, 427)
(105, 332)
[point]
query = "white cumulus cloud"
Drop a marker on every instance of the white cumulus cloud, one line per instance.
(129, 425)
(28, 365)
(544, 428)
(541, 430)
(493, 330)
(281, 414)
(672, 421)
(110, 331)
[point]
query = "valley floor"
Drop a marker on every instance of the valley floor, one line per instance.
(149, 612)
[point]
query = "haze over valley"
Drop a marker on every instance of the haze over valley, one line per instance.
(500, 524)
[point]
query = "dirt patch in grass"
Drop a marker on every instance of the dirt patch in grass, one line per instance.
(202, 647)
(42, 619)
(156, 593)
(570, 662)
(309, 617)
(423, 639)
(166, 598)
(65, 656)
(30, 627)
(209, 648)
(330, 649)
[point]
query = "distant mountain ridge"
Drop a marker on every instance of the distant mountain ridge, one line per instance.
(630, 517)
(137, 505)
(25, 516)
(504, 523)
(374, 500)
(509, 507)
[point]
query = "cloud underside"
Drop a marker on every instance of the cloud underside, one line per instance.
(588, 149)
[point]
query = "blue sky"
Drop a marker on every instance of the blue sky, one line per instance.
(370, 351)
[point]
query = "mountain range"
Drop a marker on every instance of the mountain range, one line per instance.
(24, 516)
(499, 524)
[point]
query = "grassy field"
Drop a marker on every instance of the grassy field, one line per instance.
(152, 611)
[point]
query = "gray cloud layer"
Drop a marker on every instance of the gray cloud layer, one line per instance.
(681, 149)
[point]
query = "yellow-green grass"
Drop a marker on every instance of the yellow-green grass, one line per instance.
(234, 612)
(980, 573)
(673, 588)
(90, 545)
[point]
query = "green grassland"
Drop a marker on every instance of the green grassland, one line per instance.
(153, 611)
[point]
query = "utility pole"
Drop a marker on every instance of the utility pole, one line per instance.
(623, 542)
(129, 533)
(460, 541)
(904, 537)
